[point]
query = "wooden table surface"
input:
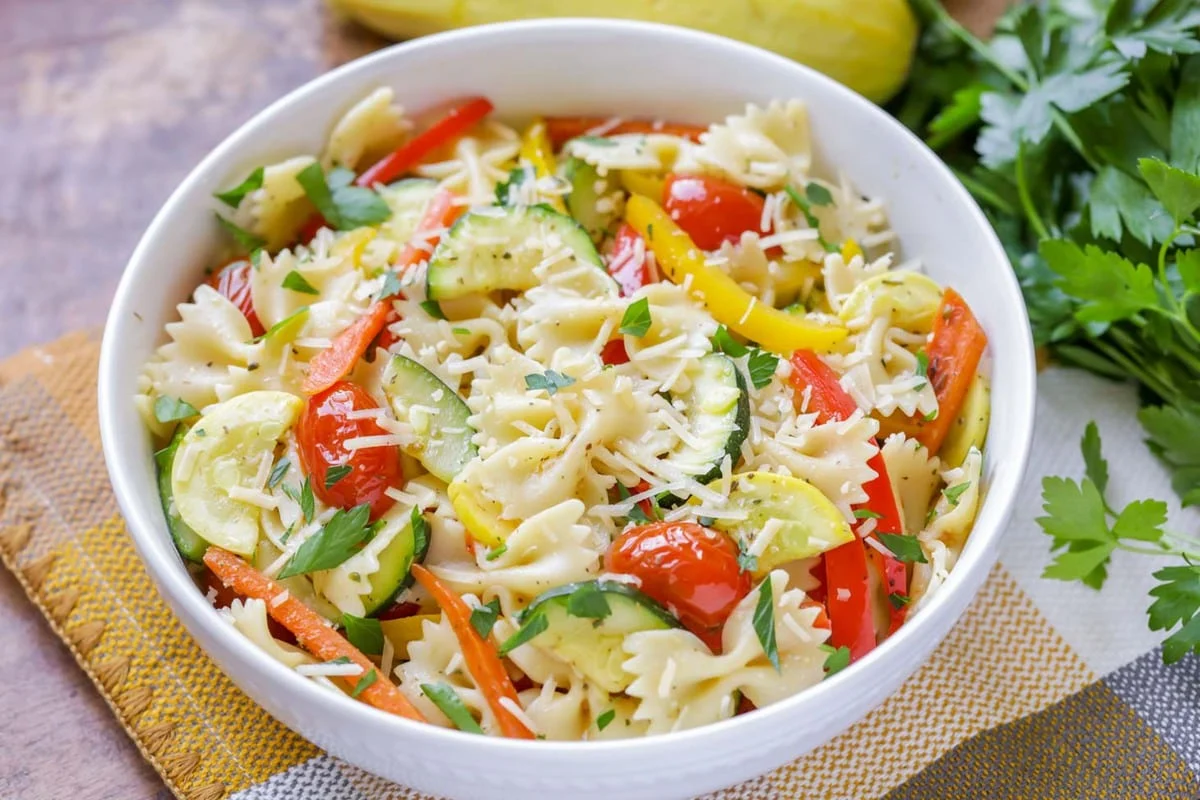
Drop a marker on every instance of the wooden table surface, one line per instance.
(104, 107)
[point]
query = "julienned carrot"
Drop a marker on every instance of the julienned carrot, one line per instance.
(561, 129)
(954, 352)
(310, 629)
(479, 654)
(441, 213)
(335, 362)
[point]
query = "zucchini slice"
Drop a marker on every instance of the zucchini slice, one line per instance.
(718, 415)
(588, 187)
(395, 569)
(586, 624)
(189, 545)
(407, 200)
(806, 522)
(498, 248)
(436, 413)
(970, 427)
(221, 454)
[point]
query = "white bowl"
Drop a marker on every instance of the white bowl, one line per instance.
(577, 67)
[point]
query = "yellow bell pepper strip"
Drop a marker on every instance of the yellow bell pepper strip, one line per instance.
(850, 249)
(678, 258)
(650, 184)
(535, 148)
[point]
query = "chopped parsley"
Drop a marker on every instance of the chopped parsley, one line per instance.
(551, 381)
(954, 493)
(233, 197)
(278, 471)
(483, 618)
(866, 513)
(343, 205)
(365, 633)
(496, 552)
(836, 659)
(605, 719)
(637, 318)
(922, 370)
(818, 195)
(588, 602)
(335, 474)
(298, 283)
(449, 703)
(329, 547)
(391, 285)
(761, 366)
(173, 409)
(899, 600)
(460, 331)
(905, 548)
(420, 529)
(432, 308)
(364, 682)
(723, 341)
(764, 622)
(805, 205)
(245, 239)
(747, 561)
(530, 628)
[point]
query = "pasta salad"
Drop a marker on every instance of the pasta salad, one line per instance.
(602, 429)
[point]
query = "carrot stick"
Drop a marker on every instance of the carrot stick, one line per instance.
(310, 629)
(480, 655)
(335, 362)
(441, 212)
(954, 352)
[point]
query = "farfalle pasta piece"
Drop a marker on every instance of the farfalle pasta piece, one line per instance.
(372, 128)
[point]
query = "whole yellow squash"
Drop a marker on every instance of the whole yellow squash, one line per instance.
(865, 44)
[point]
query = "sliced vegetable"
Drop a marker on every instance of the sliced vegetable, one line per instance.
(711, 211)
(718, 417)
(649, 184)
(970, 424)
(490, 249)
(189, 545)
(395, 568)
(479, 654)
(585, 624)
(686, 567)
(219, 456)
(311, 630)
(437, 414)
(336, 361)
(910, 298)
(955, 350)
(614, 353)
(536, 149)
(326, 438)
(629, 262)
(562, 129)
(440, 213)
(403, 631)
(479, 514)
(461, 118)
(678, 258)
(588, 201)
(806, 522)
(233, 281)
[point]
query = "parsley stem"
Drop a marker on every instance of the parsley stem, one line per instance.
(1144, 551)
(1031, 213)
(981, 48)
(984, 193)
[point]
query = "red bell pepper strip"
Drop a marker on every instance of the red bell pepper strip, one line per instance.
(233, 281)
(310, 228)
(336, 361)
(629, 263)
(954, 352)
(614, 353)
(848, 588)
(560, 130)
(463, 116)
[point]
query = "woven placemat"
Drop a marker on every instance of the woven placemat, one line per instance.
(1043, 689)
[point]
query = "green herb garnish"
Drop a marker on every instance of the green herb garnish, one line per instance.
(172, 409)
(551, 381)
(450, 704)
(329, 547)
(636, 320)
(233, 197)
(905, 548)
(343, 205)
(365, 633)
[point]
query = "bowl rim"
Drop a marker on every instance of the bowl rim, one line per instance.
(192, 608)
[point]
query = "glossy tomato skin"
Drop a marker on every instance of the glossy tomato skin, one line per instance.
(321, 434)
(690, 569)
(233, 281)
(710, 210)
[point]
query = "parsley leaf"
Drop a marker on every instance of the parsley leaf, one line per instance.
(496, 552)
(866, 513)
(1096, 466)
(605, 719)
(343, 206)
(953, 493)
(530, 628)
(420, 530)
(1175, 439)
(483, 618)
(233, 197)
(1177, 602)
(764, 622)
(449, 703)
(636, 320)
(724, 342)
(391, 285)
(761, 366)
(172, 409)
(329, 547)
(1109, 286)
(298, 283)
(898, 600)
(245, 239)
(836, 660)
(335, 474)
(433, 309)
(588, 602)
(805, 206)
(818, 195)
(278, 471)
(1119, 202)
(922, 370)
(1178, 191)
(905, 548)
(746, 561)
(551, 381)
(365, 633)
(364, 683)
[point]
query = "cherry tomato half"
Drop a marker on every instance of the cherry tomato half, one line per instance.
(629, 264)
(691, 570)
(711, 211)
(233, 281)
(321, 433)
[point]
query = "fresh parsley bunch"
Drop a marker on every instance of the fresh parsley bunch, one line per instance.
(1077, 128)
